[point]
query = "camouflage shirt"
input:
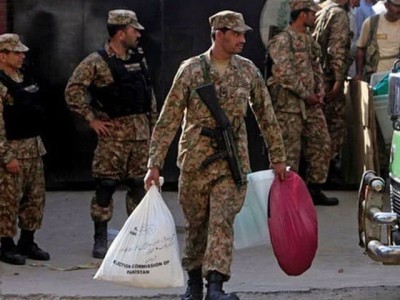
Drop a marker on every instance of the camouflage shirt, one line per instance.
(93, 69)
(241, 84)
(332, 32)
(296, 68)
(16, 149)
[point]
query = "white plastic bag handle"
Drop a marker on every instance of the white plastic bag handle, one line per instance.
(161, 181)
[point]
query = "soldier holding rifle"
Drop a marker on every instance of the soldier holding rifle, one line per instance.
(208, 90)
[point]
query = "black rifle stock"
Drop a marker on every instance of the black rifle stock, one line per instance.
(223, 134)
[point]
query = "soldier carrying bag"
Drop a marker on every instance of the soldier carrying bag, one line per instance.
(145, 252)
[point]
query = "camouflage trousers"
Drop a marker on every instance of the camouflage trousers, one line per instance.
(310, 137)
(335, 115)
(125, 162)
(22, 197)
(210, 201)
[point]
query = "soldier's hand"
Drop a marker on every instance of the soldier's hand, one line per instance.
(321, 97)
(13, 166)
(152, 177)
(280, 170)
(100, 127)
(313, 100)
(336, 91)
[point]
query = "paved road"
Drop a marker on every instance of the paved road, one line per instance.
(369, 293)
(339, 271)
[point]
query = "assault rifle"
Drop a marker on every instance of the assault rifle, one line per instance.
(223, 134)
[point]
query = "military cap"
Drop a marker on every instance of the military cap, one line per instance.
(303, 4)
(394, 2)
(228, 19)
(123, 17)
(11, 42)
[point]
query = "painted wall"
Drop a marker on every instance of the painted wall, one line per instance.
(3, 16)
(61, 33)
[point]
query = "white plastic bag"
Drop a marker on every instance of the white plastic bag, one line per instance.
(251, 226)
(145, 253)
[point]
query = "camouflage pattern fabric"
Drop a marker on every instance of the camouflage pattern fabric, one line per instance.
(296, 68)
(101, 214)
(124, 153)
(22, 195)
(309, 136)
(93, 69)
(212, 188)
(228, 19)
(12, 42)
(296, 74)
(335, 115)
(242, 84)
(119, 161)
(123, 17)
(210, 200)
(332, 32)
(303, 4)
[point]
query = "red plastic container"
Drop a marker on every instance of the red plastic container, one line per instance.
(293, 225)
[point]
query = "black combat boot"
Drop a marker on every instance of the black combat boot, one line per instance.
(8, 252)
(100, 240)
(194, 289)
(214, 288)
(319, 198)
(28, 248)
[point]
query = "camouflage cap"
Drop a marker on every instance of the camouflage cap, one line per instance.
(123, 17)
(394, 2)
(229, 19)
(11, 42)
(303, 4)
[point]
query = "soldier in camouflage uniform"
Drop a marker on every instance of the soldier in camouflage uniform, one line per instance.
(332, 32)
(297, 92)
(121, 109)
(209, 196)
(22, 186)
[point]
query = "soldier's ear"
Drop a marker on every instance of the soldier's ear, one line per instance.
(121, 33)
(3, 56)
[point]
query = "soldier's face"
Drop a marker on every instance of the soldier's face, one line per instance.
(232, 42)
(309, 18)
(13, 60)
(131, 37)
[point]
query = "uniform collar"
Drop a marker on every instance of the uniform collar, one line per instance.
(233, 63)
(111, 52)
